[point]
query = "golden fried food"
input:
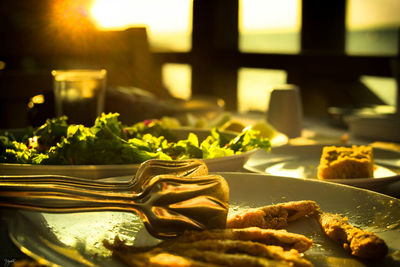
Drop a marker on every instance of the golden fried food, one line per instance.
(254, 246)
(159, 258)
(272, 216)
(346, 162)
(240, 247)
(357, 242)
(208, 252)
(232, 259)
(265, 236)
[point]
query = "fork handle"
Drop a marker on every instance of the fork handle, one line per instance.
(167, 205)
(65, 181)
(61, 198)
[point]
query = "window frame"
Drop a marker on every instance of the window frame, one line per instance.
(215, 58)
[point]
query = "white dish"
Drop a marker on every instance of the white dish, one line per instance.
(76, 239)
(229, 163)
(302, 162)
(279, 139)
(377, 127)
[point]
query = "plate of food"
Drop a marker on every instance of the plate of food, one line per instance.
(112, 149)
(272, 221)
(361, 166)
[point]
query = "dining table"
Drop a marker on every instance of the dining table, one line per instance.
(315, 131)
(322, 131)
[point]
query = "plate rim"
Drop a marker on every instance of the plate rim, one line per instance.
(239, 175)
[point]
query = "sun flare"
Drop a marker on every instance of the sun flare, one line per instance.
(158, 15)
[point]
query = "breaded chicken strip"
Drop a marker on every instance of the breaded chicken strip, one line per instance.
(239, 247)
(357, 242)
(265, 236)
(149, 256)
(159, 258)
(234, 260)
(207, 253)
(273, 216)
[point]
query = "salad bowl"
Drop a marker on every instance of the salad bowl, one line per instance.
(215, 163)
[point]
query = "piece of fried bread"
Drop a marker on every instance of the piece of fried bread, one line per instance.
(346, 162)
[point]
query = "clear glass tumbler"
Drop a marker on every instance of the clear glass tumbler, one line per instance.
(79, 94)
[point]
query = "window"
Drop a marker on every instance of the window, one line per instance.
(269, 26)
(177, 79)
(385, 88)
(169, 23)
(254, 87)
(169, 28)
(372, 27)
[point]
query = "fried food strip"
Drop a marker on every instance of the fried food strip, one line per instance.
(195, 258)
(273, 216)
(240, 247)
(149, 256)
(265, 236)
(223, 259)
(357, 242)
(158, 258)
(207, 253)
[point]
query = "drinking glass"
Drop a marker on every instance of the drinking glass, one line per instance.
(79, 94)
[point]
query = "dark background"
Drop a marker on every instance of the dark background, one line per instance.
(34, 42)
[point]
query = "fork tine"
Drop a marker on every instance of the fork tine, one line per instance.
(199, 202)
(60, 180)
(147, 170)
(182, 168)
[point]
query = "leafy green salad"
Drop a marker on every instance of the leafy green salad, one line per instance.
(108, 141)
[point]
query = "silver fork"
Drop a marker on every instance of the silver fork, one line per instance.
(147, 170)
(167, 204)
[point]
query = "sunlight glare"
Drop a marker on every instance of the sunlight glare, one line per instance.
(70, 17)
(269, 15)
(118, 14)
(177, 78)
(254, 87)
(158, 15)
(168, 23)
(365, 14)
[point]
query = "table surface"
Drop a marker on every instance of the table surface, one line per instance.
(315, 131)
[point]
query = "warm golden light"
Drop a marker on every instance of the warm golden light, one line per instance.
(38, 99)
(366, 14)
(71, 17)
(158, 15)
(118, 14)
(269, 26)
(254, 87)
(169, 23)
(269, 15)
(177, 78)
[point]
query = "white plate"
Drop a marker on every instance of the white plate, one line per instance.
(76, 239)
(375, 127)
(303, 161)
(279, 139)
(229, 163)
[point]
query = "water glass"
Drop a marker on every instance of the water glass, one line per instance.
(79, 94)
